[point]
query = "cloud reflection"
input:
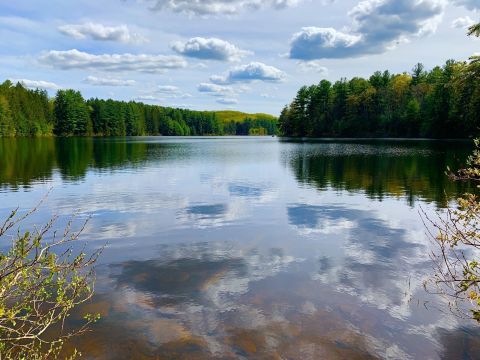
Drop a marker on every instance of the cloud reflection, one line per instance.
(243, 190)
(372, 254)
(203, 216)
(180, 280)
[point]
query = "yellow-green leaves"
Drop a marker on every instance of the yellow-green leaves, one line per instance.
(457, 267)
(38, 288)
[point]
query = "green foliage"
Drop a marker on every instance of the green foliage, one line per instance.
(226, 116)
(474, 30)
(71, 113)
(256, 126)
(26, 112)
(457, 269)
(442, 103)
(116, 118)
(258, 131)
(7, 127)
(38, 289)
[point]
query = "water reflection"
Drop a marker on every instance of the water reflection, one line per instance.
(215, 301)
(245, 190)
(373, 254)
(207, 215)
(470, 337)
(380, 168)
(219, 300)
(178, 281)
(26, 161)
(250, 248)
(328, 294)
(207, 211)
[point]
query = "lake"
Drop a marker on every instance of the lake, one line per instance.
(236, 248)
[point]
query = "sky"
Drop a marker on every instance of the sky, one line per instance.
(247, 55)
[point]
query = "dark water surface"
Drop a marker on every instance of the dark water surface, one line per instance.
(236, 248)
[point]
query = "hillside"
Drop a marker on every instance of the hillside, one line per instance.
(238, 116)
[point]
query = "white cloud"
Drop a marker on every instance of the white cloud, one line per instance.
(227, 101)
(469, 4)
(172, 91)
(377, 24)
(149, 98)
(36, 84)
(74, 59)
(162, 93)
(93, 80)
(312, 66)
(311, 42)
(463, 22)
(101, 32)
(218, 79)
(215, 90)
(210, 49)
(168, 89)
(216, 7)
(255, 71)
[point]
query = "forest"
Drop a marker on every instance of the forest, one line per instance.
(441, 103)
(25, 112)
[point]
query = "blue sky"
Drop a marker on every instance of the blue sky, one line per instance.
(249, 55)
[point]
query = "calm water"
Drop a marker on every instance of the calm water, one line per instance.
(235, 248)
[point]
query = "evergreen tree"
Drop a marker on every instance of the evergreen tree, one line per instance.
(441, 103)
(25, 112)
(71, 113)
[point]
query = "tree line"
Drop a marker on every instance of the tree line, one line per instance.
(390, 172)
(441, 103)
(25, 112)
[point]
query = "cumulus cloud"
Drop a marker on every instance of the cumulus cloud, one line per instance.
(462, 22)
(215, 90)
(216, 7)
(313, 42)
(36, 84)
(469, 4)
(210, 49)
(93, 80)
(101, 32)
(377, 24)
(74, 59)
(255, 71)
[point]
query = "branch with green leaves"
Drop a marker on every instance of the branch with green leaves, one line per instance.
(42, 279)
(456, 257)
(474, 30)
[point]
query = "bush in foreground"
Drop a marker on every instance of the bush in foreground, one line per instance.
(457, 255)
(41, 280)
